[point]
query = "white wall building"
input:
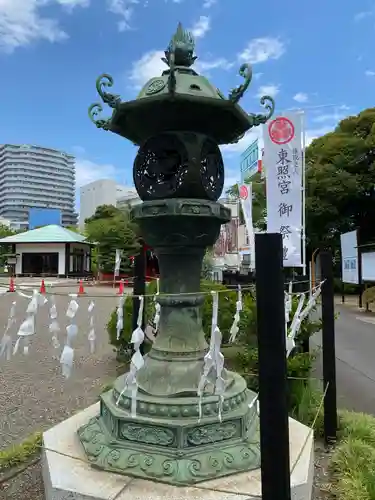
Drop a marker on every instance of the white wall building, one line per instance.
(49, 251)
(102, 192)
(36, 177)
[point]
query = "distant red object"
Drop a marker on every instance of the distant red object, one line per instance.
(81, 290)
(121, 288)
(42, 288)
(259, 166)
(12, 288)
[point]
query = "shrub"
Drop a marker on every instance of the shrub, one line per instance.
(227, 309)
(126, 333)
(348, 288)
(298, 370)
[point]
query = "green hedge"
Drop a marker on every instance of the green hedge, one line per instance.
(227, 308)
(349, 289)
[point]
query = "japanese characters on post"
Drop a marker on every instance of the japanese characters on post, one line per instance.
(283, 158)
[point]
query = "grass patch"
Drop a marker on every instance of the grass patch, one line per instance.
(20, 453)
(352, 465)
(353, 461)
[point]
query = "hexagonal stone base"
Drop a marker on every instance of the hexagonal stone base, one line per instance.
(167, 440)
(67, 473)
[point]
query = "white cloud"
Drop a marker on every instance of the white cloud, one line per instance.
(241, 145)
(148, 66)
(208, 3)
(271, 90)
(71, 4)
(151, 65)
(22, 21)
(124, 9)
(261, 50)
(301, 97)
(201, 27)
(78, 150)
(329, 117)
(363, 15)
(89, 171)
(219, 63)
(369, 73)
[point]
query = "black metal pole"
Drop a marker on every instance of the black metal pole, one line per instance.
(359, 267)
(274, 430)
(139, 287)
(342, 291)
(329, 354)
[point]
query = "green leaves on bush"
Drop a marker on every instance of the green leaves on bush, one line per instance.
(227, 309)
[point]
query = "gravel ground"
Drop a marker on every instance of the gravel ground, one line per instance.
(33, 393)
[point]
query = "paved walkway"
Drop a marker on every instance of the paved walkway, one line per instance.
(355, 352)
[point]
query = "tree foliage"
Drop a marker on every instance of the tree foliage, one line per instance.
(111, 229)
(5, 249)
(340, 179)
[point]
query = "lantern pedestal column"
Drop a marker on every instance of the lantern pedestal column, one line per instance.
(176, 437)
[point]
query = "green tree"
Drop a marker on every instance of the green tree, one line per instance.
(5, 249)
(112, 229)
(340, 180)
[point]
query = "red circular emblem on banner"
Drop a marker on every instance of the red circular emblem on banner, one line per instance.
(281, 130)
(244, 192)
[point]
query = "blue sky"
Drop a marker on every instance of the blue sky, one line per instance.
(318, 57)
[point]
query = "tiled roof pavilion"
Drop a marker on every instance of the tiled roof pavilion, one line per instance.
(46, 234)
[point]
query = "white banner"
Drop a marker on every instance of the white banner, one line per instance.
(246, 197)
(349, 257)
(118, 262)
(283, 160)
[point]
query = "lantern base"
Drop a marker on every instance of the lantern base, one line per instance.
(167, 440)
(67, 473)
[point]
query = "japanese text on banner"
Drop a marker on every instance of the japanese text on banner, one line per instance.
(283, 157)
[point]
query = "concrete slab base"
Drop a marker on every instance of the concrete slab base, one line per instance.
(68, 475)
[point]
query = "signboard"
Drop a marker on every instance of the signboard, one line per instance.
(44, 217)
(349, 258)
(246, 198)
(283, 157)
(249, 161)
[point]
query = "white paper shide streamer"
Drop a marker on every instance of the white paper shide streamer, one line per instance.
(157, 307)
(213, 361)
(120, 316)
(6, 341)
(27, 327)
(67, 355)
(91, 336)
(136, 363)
(300, 314)
(235, 328)
(54, 326)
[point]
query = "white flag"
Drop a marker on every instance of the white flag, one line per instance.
(283, 158)
(246, 197)
(118, 262)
